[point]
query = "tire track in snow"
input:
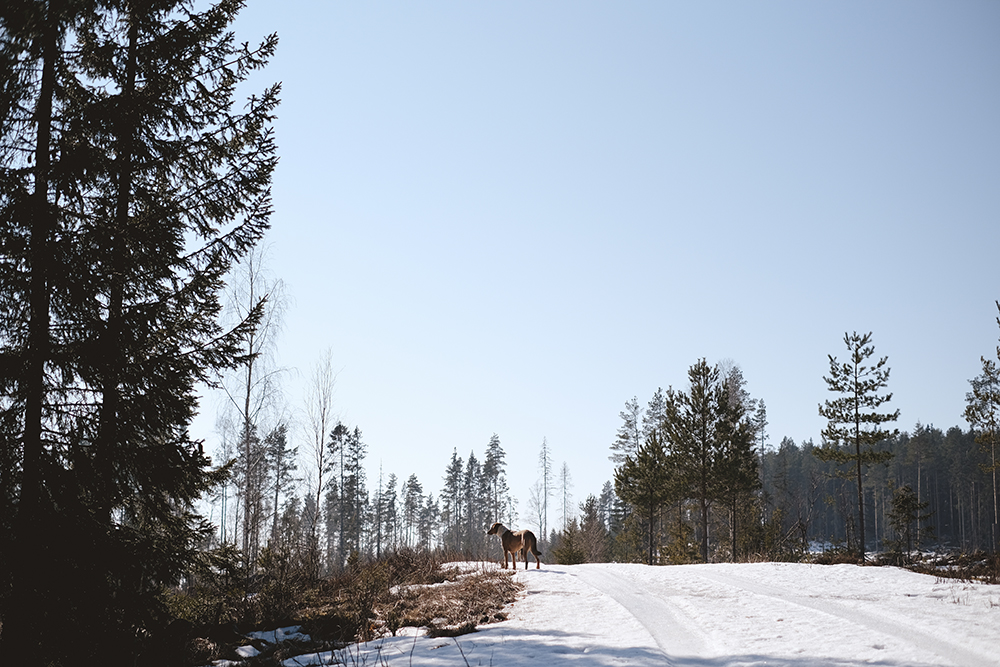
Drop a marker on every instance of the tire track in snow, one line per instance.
(673, 633)
(925, 642)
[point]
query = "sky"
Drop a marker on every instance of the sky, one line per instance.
(513, 217)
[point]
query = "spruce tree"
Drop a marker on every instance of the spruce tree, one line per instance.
(147, 188)
(593, 532)
(494, 473)
(452, 506)
(474, 540)
(336, 466)
(570, 550)
(413, 498)
(36, 69)
(282, 463)
(354, 504)
(854, 423)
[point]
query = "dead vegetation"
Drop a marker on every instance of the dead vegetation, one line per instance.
(366, 601)
(979, 566)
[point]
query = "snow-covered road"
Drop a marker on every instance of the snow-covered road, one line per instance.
(776, 614)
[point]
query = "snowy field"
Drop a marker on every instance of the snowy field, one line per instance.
(776, 614)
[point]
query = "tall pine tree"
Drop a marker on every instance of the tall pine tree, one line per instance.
(644, 481)
(982, 411)
(693, 440)
(854, 422)
(738, 473)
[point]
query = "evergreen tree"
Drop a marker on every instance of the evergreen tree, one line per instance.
(386, 515)
(905, 517)
(738, 474)
(983, 414)
(337, 502)
(412, 506)
(430, 518)
(854, 424)
(570, 549)
(644, 482)
(282, 463)
(607, 502)
(694, 441)
(335, 544)
(629, 436)
(354, 503)
(452, 508)
(145, 189)
(495, 476)
(593, 533)
(760, 430)
(656, 413)
(473, 501)
(290, 534)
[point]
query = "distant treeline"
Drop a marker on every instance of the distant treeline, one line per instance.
(944, 470)
(806, 504)
(355, 518)
(933, 491)
(699, 481)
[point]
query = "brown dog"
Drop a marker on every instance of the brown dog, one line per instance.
(523, 541)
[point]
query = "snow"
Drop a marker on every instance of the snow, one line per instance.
(720, 615)
(293, 632)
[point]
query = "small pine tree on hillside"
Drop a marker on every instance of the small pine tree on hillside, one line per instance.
(907, 517)
(570, 549)
(854, 424)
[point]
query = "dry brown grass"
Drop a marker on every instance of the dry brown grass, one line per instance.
(367, 601)
(979, 566)
(455, 606)
(408, 590)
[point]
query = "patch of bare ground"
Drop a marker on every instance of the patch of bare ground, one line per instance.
(364, 602)
(456, 606)
(382, 597)
(980, 566)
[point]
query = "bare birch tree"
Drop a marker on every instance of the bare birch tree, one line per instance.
(253, 389)
(319, 423)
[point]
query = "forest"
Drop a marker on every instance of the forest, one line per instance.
(134, 198)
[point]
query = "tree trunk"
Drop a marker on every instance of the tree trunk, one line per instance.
(28, 553)
(111, 337)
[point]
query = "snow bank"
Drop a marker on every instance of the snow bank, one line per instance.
(746, 615)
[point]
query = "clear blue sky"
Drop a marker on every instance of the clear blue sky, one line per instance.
(512, 217)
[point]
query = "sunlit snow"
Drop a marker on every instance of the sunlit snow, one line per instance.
(776, 614)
